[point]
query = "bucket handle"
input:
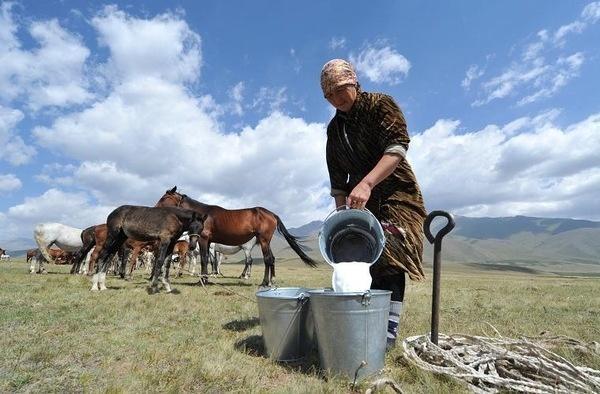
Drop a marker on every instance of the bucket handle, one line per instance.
(345, 207)
(366, 298)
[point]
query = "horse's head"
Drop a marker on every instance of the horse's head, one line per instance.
(170, 199)
(195, 228)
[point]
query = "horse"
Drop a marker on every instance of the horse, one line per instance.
(88, 240)
(4, 255)
(236, 227)
(131, 251)
(47, 234)
(146, 224)
(59, 256)
(180, 254)
(229, 250)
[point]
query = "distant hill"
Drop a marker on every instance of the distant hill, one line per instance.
(308, 229)
(518, 243)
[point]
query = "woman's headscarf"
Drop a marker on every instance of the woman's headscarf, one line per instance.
(337, 72)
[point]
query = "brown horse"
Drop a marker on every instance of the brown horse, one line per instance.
(236, 227)
(147, 224)
(88, 238)
(96, 235)
(180, 250)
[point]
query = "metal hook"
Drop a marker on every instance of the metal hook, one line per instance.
(437, 262)
(366, 298)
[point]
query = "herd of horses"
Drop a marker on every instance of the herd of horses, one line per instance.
(176, 225)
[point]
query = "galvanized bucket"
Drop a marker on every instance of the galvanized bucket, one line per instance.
(351, 235)
(286, 323)
(351, 330)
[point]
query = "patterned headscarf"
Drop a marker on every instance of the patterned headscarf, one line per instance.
(337, 72)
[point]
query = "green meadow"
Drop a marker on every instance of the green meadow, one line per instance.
(57, 336)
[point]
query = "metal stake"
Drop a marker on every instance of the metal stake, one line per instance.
(437, 261)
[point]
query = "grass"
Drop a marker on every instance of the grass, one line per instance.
(58, 336)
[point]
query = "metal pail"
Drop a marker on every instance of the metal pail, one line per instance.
(351, 328)
(351, 235)
(286, 323)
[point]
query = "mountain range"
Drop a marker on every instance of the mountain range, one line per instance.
(518, 243)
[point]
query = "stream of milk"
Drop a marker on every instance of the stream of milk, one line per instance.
(351, 276)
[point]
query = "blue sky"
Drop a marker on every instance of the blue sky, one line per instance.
(105, 104)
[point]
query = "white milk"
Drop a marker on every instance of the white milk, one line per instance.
(351, 276)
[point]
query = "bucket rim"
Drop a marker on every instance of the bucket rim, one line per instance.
(345, 212)
(302, 293)
(328, 292)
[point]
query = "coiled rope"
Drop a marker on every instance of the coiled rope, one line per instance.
(488, 365)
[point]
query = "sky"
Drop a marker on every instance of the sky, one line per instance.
(105, 104)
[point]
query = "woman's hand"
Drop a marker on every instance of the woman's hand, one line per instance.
(359, 196)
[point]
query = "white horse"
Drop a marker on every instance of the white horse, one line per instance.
(229, 250)
(47, 234)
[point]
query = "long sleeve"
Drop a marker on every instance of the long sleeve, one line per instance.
(392, 131)
(337, 176)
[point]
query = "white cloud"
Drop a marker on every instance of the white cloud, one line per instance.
(528, 166)
(51, 75)
(540, 72)
(381, 64)
(14, 149)
(131, 147)
(270, 99)
(9, 182)
(73, 209)
(236, 93)
(472, 74)
(575, 27)
(565, 69)
(337, 43)
(163, 47)
(591, 12)
(56, 174)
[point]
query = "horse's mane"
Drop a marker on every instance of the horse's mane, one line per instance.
(195, 202)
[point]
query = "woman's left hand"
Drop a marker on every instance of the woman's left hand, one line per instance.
(359, 196)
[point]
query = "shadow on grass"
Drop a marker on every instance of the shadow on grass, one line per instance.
(235, 284)
(254, 346)
(242, 325)
(503, 267)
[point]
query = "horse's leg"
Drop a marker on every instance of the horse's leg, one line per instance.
(107, 250)
(182, 263)
(194, 260)
(133, 256)
(84, 266)
(165, 278)
(248, 267)
(34, 261)
(269, 262)
(203, 243)
(219, 257)
(157, 268)
(212, 256)
(94, 258)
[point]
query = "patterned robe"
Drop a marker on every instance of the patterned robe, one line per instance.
(356, 141)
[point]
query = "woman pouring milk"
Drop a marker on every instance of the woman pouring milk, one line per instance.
(366, 158)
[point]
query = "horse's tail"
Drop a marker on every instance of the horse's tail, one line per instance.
(293, 242)
(39, 240)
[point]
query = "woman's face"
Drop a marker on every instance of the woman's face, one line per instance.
(342, 97)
